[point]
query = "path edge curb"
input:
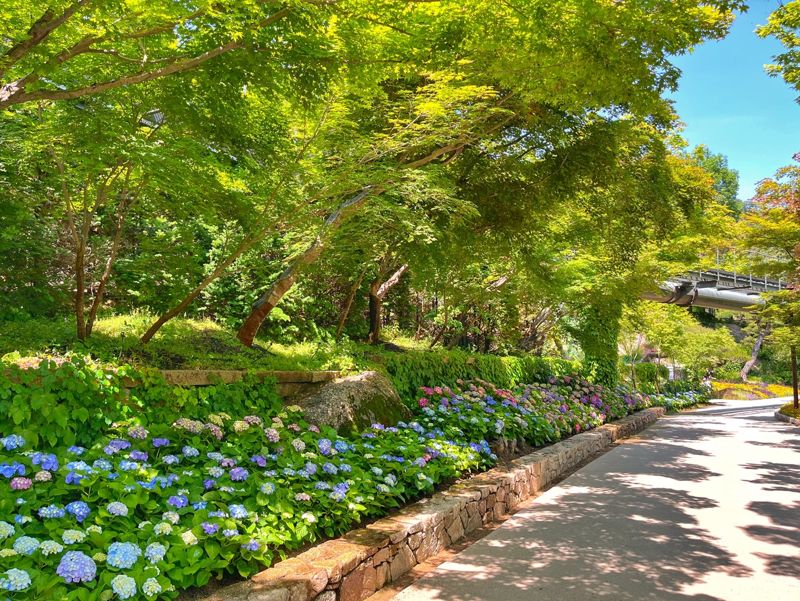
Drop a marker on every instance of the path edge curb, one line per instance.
(785, 418)
(356, 565)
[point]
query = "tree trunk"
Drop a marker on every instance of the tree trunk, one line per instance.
(80, 289)
(378, 292)
(273, 296)
(106, 275)
(762, 332)
(796, 397)
(375, 305)
(348, 304)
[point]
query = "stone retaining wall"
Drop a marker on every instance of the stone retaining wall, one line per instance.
(353, 567)
(786, 418)
(289, 383)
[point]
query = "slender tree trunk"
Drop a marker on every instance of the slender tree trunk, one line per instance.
(80, 289)
(762, 332)
(348, 303)
(794, 378)
(268, 301)
(106, 275)
(377, 292)
(375, 304)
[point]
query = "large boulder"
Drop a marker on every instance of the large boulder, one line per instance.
(355, 402)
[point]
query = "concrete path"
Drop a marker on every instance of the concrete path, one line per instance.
(703, 506)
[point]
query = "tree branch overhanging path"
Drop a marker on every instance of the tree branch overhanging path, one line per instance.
(17, 91)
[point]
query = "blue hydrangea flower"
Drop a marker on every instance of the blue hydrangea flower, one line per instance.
(15, 580)
(324, 446)
(128, 466)
(12, 442)
(216, 471)
(151, 587)
(199, 505)
(331, 469)
(322, 486)
(103, 464)
(160, 442)
(123, 555)
(76, 450)
(138, 455)
(11, 470)
(123, 586)
(51, 512)
(230, 532)
(171, 459)
(47, 461)
(310, 468)
(190, 451)
(26, 545)
(267, 488)
(341, 446)
(76, 567)
(155, 552)
(251, 545)
(117, 508)
(238, 512)
(345, 468)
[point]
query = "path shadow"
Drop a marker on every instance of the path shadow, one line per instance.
(620, 540)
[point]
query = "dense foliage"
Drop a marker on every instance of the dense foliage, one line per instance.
(318, 169)
(144, 512)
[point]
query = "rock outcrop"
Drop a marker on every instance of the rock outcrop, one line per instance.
(354, 402)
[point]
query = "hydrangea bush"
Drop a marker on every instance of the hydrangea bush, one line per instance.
(147, 512)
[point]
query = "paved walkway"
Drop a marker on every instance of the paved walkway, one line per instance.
(703, 506)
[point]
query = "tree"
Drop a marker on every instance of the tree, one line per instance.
(783, 24)
(726, 180)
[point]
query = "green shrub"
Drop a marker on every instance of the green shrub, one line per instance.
(65, 402)
(410, 371)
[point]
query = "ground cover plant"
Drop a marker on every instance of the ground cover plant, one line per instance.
(145, 512)
(749, 390)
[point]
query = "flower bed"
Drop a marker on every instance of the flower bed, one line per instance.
(146, 512)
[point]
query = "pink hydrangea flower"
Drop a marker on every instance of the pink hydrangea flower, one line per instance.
(20, 483)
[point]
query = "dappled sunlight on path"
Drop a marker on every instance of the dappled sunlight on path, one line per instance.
(704, 506)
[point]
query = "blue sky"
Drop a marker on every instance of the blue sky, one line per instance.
(731, 105)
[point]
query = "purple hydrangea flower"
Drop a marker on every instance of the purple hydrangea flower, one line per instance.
(259, 460)
(239, 474)
(210, 528)
(178, 501)
(76, 567)
(209, 484)
(228, 462)
(160, 442)
(138, 455)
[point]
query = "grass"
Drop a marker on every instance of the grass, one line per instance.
(788, 409)
(181, 344)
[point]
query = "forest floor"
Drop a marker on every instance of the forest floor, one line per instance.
(189, 344)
